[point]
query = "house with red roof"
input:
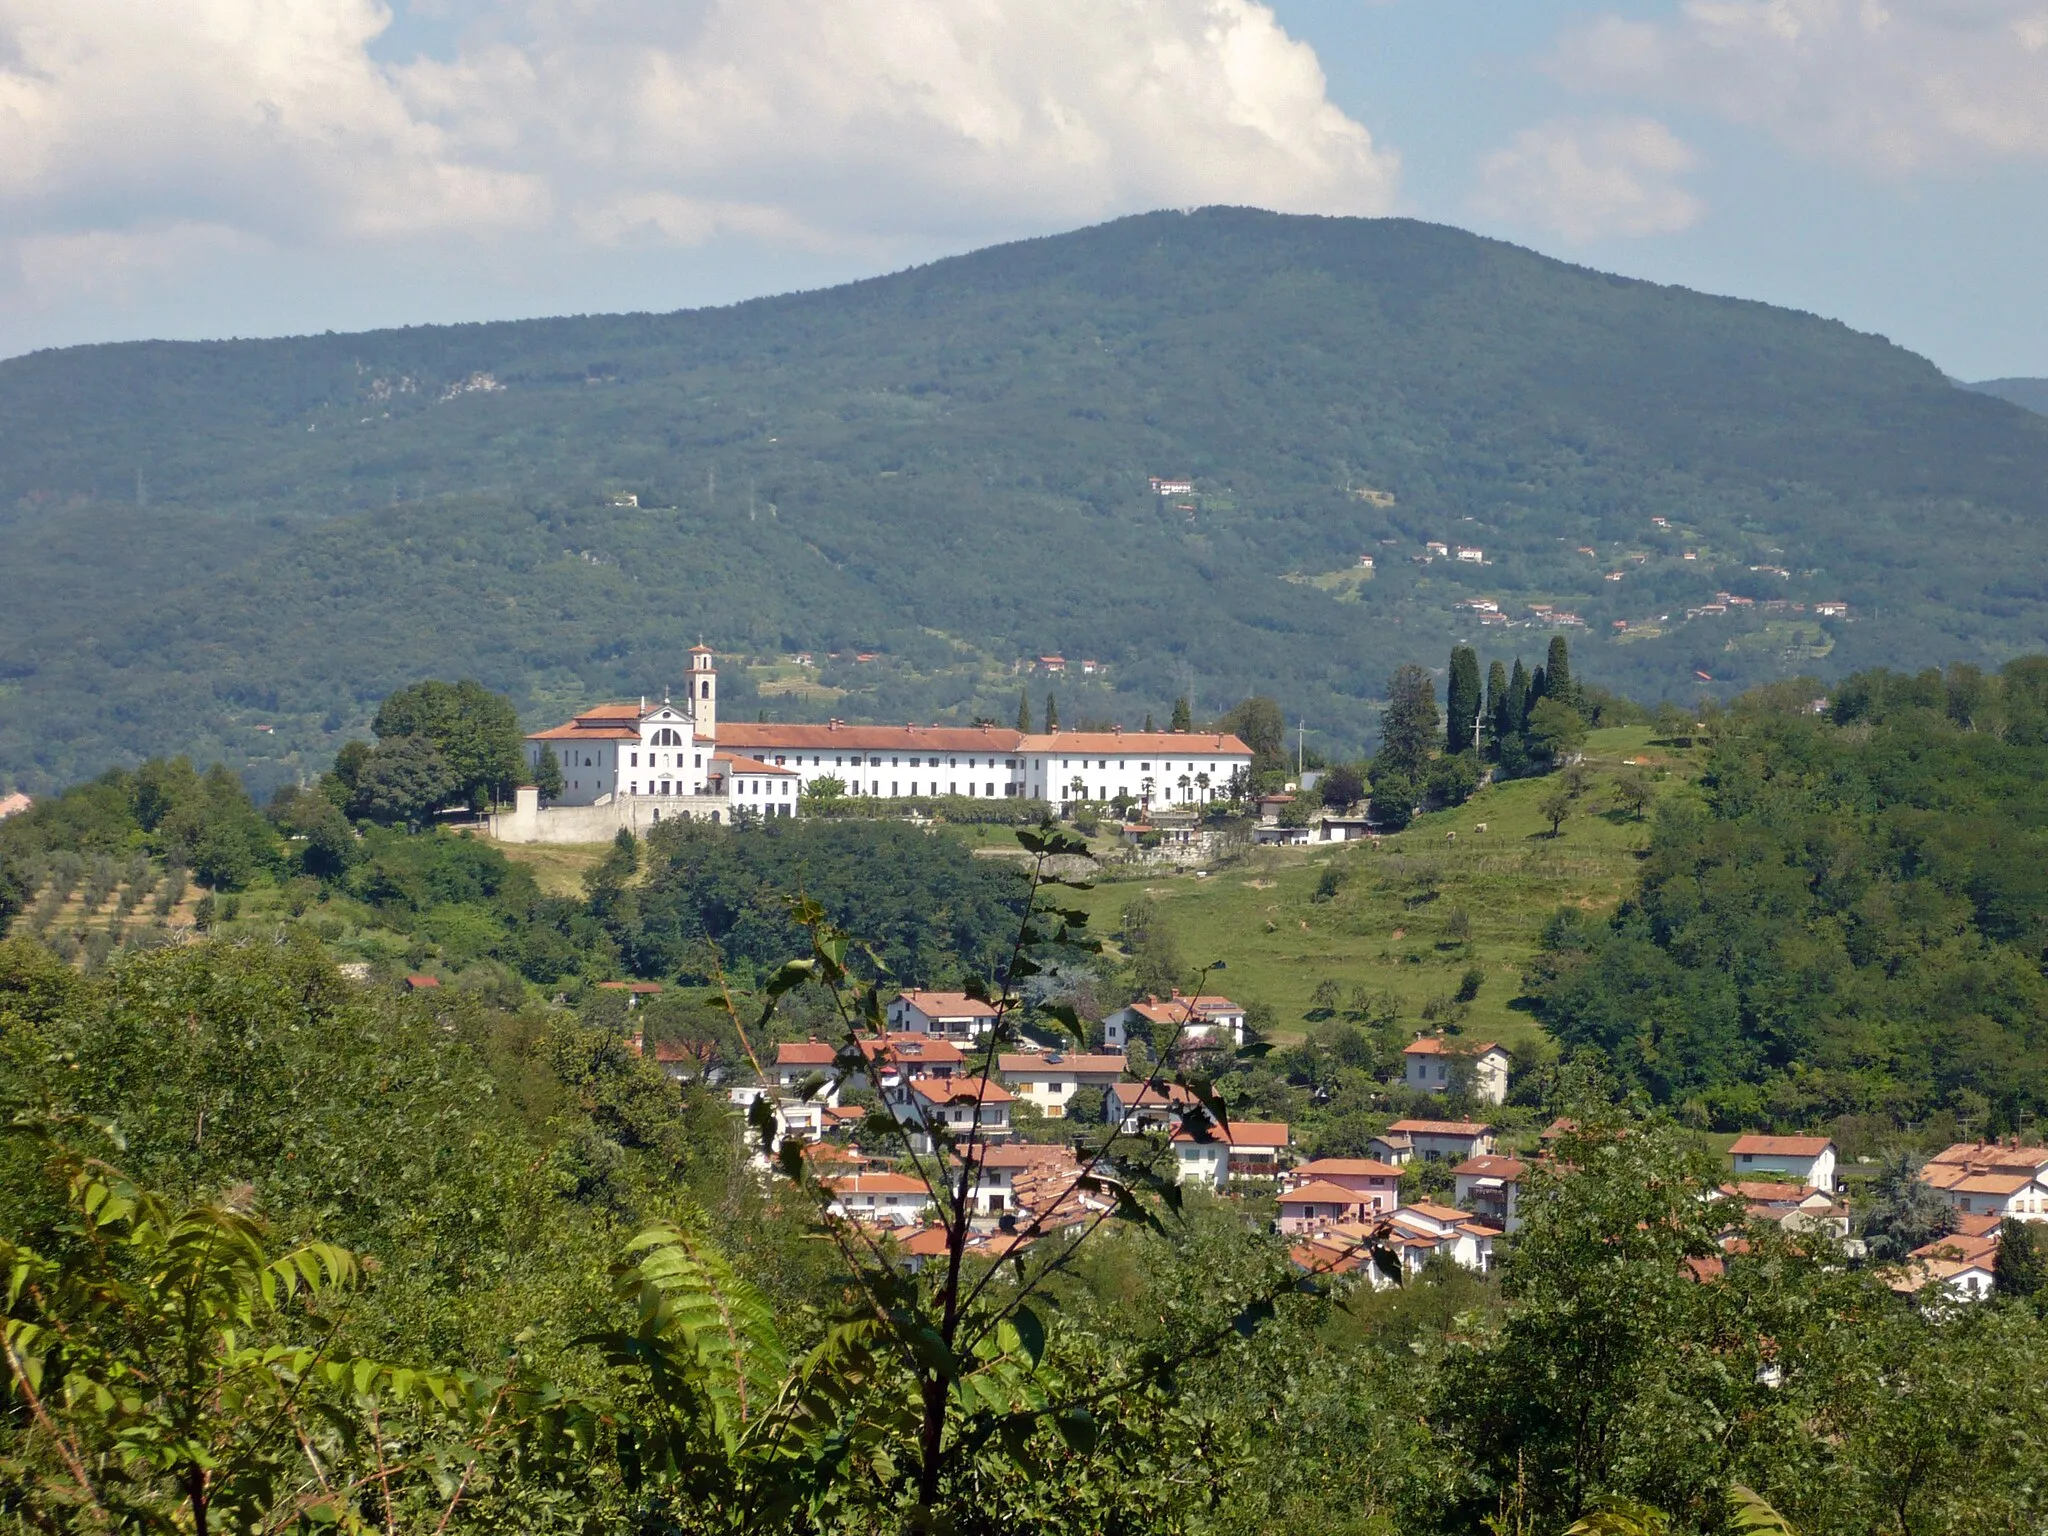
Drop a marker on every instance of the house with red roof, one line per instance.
(892, 1199)
(1050, 1079)
(1432, 1140)
(1490, 1188)
(1190, 1022)
(964, 1107)
(1991, 1179)
(1434, 1064)
(1377, 1184)
(946, 1015)
(1809, 1159)
(1213, 1154)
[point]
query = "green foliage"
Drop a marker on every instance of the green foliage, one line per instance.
(931, 909)
(1850, 923)
(475, 731)
(547, 773)
(1461, 700)
(1408, 725)
(1260, 725)
(2021, 1269)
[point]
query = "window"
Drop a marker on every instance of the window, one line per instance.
(874, 762)
(635, 789)
(636, 760)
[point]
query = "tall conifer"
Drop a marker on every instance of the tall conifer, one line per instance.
(1461, 701)
(1497, 724)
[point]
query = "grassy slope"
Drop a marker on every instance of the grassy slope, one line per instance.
(1382, 931)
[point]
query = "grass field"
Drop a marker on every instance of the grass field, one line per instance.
(1391, 925)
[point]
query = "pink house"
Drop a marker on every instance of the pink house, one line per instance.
(1376, 1184)
(1318, 1205)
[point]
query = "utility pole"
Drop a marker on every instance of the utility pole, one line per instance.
(1300, 748)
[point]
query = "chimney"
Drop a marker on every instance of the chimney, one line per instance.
(1117, 730)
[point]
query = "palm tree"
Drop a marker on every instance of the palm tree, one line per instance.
(1079, 786)
(1202, 781)
(1186, 784)
(1145, 793)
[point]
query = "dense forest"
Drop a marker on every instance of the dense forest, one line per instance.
(1852, 921)
(233, 550)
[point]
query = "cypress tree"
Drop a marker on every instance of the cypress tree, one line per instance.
(1149, 726)
(1496, 708)
(1052, 714)
(2019, 1269)
(1461, 701)
(547, 773)
(1408, 725)
(1183, 716)
(1024, 712)
(1518, 700)
(1558, 685)
(1539, 688)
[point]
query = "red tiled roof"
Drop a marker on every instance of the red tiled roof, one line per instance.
(1484, 1167)
(947, 1005)
(867, 738)
(418, 982)
(951, 1090)
(1039, 1063)
(804, 1053)
(908, 1048)
(749, 766)
(1320, 1192)
(1780, 1146)
(1348, 1167)
(1240, 1133)
(877, 1184)
(1441, 1127)
(1433, 1045)
(585, 733)
(1158, 743)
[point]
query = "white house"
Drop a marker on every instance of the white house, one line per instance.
(964, 1106)
(1988, 1179)
(1433, 1063)
(1135, 1108)
(803, 1119)
(660, 753)
(1809, 1159)
(798, 1061)
(1049, 1079)
(1209, 1154)
(1423, 1230)
(1490, 1188)
(948, 1015)
(1433, 1141)
(1193, 1021)
(891, 1058)
(891, 1198)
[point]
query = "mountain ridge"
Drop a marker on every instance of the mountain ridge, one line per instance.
(948, 465)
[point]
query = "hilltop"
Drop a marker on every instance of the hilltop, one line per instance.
(236, 548)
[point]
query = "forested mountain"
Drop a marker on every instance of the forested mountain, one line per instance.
(949, 467)
(2031, 394)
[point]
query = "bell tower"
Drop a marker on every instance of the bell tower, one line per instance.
(704, 690)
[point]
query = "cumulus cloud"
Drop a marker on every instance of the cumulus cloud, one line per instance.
(615, 122)
(1894, 86)
(1586, 179)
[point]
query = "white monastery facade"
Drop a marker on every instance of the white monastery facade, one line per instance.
(634, 765)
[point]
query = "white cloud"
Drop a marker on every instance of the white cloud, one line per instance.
(1893, 86)
(1585, 179)
(615, 122)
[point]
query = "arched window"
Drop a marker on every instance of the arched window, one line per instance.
(667, 737)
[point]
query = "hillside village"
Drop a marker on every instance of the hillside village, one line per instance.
(1432, 1189)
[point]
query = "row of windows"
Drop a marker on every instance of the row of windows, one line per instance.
(841, 761)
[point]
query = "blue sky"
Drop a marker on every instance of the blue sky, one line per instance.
(244, 167)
